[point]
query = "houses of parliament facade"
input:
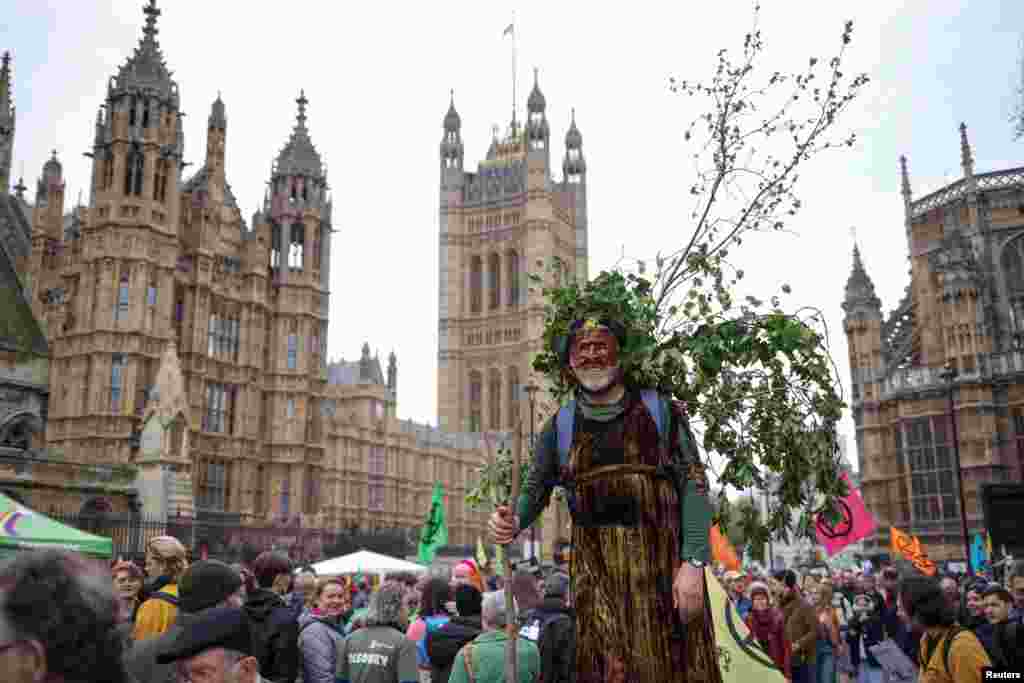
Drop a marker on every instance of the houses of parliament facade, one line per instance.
(157, 266)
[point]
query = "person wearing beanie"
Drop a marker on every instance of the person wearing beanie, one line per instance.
(766, 623)
(380, 652)
(467, 571)
(443, 644)
(434, 613)
(801, 628)
(205, 585)
(551, 624)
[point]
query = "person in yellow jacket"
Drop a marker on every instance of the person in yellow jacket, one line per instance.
(166, 561)
(948, 652)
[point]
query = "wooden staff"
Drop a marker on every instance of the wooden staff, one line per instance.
(510, 646)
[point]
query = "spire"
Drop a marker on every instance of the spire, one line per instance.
(217, 115)
(860, 290)
(452, 122)
(5, 83)
(574, 166)
(573, 138)
(905, 180)
(146, 68)
(19, 189)
(299, 155)
(536, 103)
(966, 158)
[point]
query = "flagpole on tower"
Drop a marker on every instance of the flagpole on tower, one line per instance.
(511, 30)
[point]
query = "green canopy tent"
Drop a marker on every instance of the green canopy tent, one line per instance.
(25, 529)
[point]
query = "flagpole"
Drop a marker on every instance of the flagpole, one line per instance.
(513, 72)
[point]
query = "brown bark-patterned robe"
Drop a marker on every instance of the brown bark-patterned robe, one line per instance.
(626, 546)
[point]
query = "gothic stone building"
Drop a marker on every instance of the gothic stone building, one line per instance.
(157, 258)
(497, 224)
(962, 313)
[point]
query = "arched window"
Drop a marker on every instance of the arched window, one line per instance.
(275, 245)
(296, 246)
(512, 261)
(476, 285)
(1012, 262)
(494, 394)
(513, 397)
(476, 389)
(494, 277)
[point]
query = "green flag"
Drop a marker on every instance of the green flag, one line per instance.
(435, 529)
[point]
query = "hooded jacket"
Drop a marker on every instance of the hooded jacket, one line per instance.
(444, 644)
(801, 628)
(556, 640)
(276, 635)
(318, 640)
(766, 626)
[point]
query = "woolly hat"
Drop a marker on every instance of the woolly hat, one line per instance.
(474, 574)
(758, 587)
(205, 584)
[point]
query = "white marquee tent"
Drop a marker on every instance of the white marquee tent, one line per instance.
(365, 562)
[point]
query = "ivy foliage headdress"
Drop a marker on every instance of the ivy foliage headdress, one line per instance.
(621, 303)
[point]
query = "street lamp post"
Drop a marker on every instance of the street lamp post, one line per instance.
(531, 390)
(948, 375)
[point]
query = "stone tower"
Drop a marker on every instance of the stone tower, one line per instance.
(6, 123)
(497, 224)
(863, 326)
(296, 225)
(117, 274)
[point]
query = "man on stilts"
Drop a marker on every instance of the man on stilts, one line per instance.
(638, 497)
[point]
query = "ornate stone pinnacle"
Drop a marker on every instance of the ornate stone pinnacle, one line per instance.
(302, 102)
(966, 158)
(904, 179)
(152, 12)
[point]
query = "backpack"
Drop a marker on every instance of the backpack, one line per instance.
(947, 645)
(1005, 647)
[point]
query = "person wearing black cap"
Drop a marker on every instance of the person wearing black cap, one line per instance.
(444, 643)
(552, 626)
(217, 647)
(204, 586)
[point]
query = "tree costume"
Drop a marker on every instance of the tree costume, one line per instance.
(638, 498)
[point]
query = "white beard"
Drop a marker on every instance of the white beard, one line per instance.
(597, 381)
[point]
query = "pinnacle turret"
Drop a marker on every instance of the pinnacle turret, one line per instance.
(860, 290)
(218, 118)
(574, 166)
(299, 156)
(146, 68)
(6, 124)
(536, 102)
(966, 157)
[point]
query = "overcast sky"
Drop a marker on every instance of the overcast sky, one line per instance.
(378, 75)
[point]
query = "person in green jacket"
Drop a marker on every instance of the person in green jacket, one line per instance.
(482, 660)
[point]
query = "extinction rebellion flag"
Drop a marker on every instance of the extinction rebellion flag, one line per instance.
(435, 529)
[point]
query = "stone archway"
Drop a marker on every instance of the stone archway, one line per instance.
(17, 430)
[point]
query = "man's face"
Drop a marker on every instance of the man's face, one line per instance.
(867, 584)
(996, 611)
(975, 603)
(1017, 589)
(594, 358)
(215, 666)
(126, 586)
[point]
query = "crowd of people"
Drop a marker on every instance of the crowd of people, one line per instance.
(823, 627)
(67, 618)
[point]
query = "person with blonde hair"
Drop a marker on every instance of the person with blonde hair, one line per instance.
(166, 561)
